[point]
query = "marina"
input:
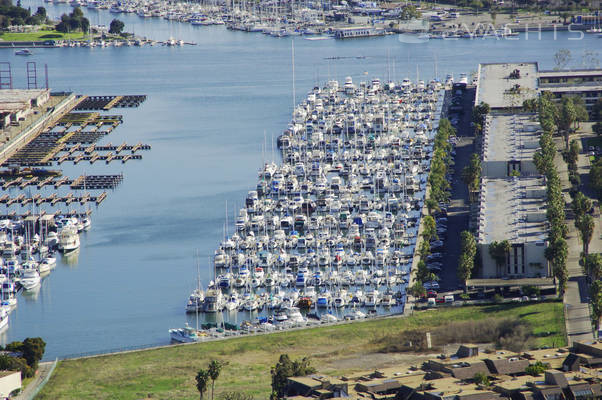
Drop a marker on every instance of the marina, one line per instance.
(29, 241)
(201, 158)
(332, 230)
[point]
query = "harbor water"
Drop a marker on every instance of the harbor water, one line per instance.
(210, 108)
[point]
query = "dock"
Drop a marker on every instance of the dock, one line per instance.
(82, 182)
(52, 199)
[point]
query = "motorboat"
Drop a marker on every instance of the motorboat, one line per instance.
(30, 279)
(3, 318)
(195, 301)
(68, 239)
(184, 335)
(213, 301)
(24, 52)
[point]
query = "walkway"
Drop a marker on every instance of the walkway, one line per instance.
(576, 298)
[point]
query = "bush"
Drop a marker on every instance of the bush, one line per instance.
(507, 333)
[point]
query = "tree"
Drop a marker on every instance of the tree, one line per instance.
(214, 369)
(481, 378)
(432, 206)
(471, 175)
(429, 228)
(581, 204)
(565, 15)
(595, 177)
(33, 351)
(592, 266)
(597, 111)
(286, 368)
(116, 27)
(562, 58)
(417, 290)
(567, 116)
(467, 256)
(16, 364)
(595, 296)
(499, 252)
(202, 380)
(536, 369)
(585, 224)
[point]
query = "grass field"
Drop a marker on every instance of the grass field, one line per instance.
(168, 373)
(40, 36)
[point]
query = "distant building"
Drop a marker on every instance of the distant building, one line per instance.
(358, 31)
(585, 83)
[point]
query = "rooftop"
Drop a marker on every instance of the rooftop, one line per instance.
(16, 99)
(495, 84)
(569, 73)
(511, 138)
(512, 209)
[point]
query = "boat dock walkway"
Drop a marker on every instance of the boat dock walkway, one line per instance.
(53, 199)
(79, 183)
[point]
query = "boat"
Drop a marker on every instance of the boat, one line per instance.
(3, 318)
(184, 335)
(68, 239)
(30, 279)
(213, 301)
(24, 52)
(195, 301)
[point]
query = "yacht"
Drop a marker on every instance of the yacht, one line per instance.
(213, 301)
(68, 239)
(30, 279)
(195, 301)
(3, 318)
(184, 335)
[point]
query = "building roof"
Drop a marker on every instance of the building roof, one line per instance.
(494, 84)
(12, 100)
(508, 210)
(511, 138)
(566, 73)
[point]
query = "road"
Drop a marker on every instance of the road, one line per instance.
(576, 297)
(458, 210)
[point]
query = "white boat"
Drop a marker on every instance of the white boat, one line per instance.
(3, 318)
(24, 52)
(355, 314)
(68, 239)
(195, 301)
(30, 279)
(184, 335)
(328, 318)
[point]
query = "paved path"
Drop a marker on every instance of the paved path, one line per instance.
(576, 298)
(43, 370)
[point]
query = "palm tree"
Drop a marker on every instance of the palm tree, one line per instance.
(202, 379)
(586, 225)
(214, 369)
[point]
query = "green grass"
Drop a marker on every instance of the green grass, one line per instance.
(168, 373)
(40, 36)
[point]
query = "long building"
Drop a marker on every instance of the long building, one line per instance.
(512, 201)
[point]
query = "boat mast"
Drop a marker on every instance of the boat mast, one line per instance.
(293, 66)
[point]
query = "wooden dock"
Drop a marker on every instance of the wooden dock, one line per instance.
(52, 199)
